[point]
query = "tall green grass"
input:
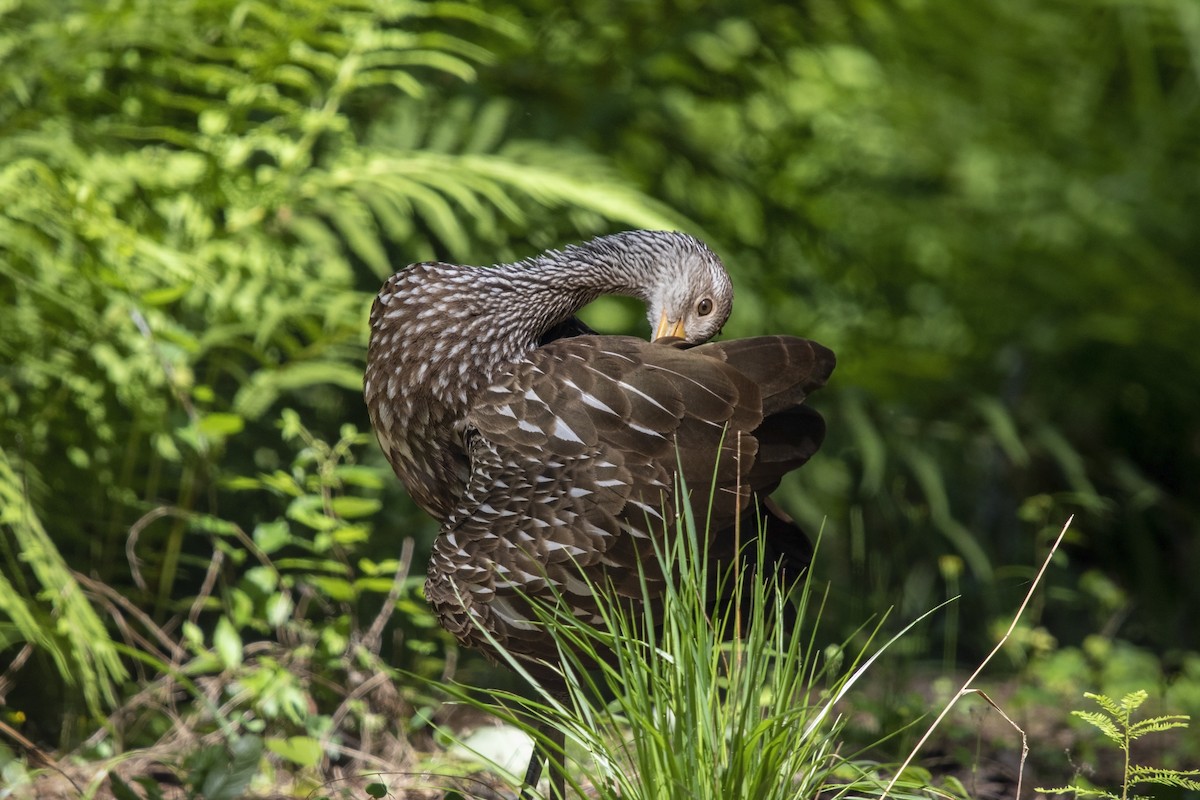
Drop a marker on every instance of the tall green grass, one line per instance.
(721, 688)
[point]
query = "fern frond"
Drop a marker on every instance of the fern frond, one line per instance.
(443, 189)
(1189, 779)
(1155, 724)
(1079, 791)
(1103, 723)
(1107, 703)
(69, 630)
(1132, 701)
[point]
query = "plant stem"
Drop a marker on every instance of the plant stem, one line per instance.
(967, 685)
(1125, 747)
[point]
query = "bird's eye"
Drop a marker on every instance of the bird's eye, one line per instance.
(704, 307)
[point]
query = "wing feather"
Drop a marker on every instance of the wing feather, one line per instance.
(574, 454)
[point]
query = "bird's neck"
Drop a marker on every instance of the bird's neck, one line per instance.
(545, 291)
(449, 330)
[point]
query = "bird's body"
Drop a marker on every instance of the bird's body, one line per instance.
(551, 459)
(440, 333)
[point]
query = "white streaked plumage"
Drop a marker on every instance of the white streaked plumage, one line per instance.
(548, 454)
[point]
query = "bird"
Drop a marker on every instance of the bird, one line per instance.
(550, 454)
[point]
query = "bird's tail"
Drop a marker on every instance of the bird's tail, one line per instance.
(786, 370)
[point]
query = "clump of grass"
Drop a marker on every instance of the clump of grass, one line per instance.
(695, 695)
(721, 704)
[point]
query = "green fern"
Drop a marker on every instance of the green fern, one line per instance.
(65, 627)
(199, 200)
(1115, 721)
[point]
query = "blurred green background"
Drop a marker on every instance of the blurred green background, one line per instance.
(989, 210)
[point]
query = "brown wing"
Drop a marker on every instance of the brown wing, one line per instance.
(574, 456)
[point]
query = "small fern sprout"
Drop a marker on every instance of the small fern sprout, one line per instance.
(1115, 721)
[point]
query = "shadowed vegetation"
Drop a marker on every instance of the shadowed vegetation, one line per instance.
(986, 209)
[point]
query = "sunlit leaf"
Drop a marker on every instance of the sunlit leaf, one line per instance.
(221, 425)
(270, 536)
(351, 507)
(303, 751)
(227, 644)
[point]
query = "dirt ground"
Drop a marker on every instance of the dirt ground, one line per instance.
(976, 746)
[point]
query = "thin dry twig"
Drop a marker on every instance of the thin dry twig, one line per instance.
(37, 756)
(115, 600)
(343, 708)
(207, 585)
(966, 687)
(1024, 738)
(155, 514)
(137, 703)
(14, 666)
(135, 532)
(372, 640)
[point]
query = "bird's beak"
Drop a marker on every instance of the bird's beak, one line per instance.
(668, 329)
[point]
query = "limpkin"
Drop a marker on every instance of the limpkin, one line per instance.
(549, 453)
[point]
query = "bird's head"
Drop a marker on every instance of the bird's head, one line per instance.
(688, 292)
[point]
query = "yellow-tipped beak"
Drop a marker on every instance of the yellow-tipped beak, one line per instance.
(666, 328)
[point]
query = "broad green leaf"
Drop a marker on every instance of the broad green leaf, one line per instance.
(350, 507)
(227, 644)
(336, 589)
(303, 751)
(165, 295)
(278, 609)
(266, 386)
(361, 476)
(264, 579)
(271, 536)
(351, 534)
(226, 778)
(220, 425)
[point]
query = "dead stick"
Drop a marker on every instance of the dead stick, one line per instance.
(967, 685)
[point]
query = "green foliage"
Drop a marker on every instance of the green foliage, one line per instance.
(1115, 721)
(67, 630)
(707, 718)
(283, 659)
(220, 772)
(200, 200)
(215, 772)
(1050, 676)
(984, 209)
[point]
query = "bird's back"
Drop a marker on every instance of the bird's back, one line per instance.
(575, 459)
